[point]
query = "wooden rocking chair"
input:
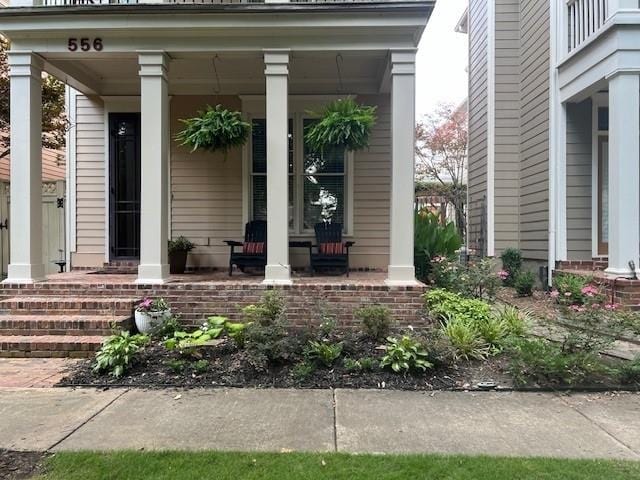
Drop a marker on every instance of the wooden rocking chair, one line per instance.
(254, 248)
(332, 253)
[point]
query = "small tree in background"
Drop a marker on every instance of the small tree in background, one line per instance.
(441, 151)
(54, 120)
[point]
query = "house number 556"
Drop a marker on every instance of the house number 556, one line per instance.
(84, 44)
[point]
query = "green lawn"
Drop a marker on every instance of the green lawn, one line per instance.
(285, 466)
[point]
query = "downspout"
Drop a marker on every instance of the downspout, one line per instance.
(491, 125)
(553, 147)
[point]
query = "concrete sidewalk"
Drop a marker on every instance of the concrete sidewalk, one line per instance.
(519, 424)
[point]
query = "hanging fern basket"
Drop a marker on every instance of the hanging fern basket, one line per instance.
(214, 129)
(342, 124)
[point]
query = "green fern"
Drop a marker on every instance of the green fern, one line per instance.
(215, 129)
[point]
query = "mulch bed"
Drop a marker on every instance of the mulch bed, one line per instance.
(229, 367)
(20, 465)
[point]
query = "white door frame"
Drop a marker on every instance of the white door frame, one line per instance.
(600, 99)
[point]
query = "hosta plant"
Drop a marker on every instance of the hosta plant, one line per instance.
(324, 352)
(342, 124)
(404, 354)
(214, 129)
(116, 353)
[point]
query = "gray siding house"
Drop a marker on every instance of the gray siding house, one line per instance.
(554, 114)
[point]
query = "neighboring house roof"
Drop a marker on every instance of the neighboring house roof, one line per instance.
(53, 166)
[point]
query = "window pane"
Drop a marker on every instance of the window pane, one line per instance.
(331, 161)
(323, 199)
(291, 150)
(290, 203)
(603, 118)
(259, 146)
(259, 196)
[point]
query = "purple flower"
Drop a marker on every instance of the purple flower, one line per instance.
(503, 274)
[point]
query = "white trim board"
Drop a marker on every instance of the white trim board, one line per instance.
(491, 125)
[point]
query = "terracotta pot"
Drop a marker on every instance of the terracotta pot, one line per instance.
(178, 262)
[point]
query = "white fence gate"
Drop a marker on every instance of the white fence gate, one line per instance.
(53, 225)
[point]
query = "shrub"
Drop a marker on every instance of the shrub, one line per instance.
(511, 264)
(376, 320)
(325, 352)
(270, 309)
(465, 339)
(167, 327)
(116, 353)
(629, 372)
(405, 354)
(176, 365)
(516, 321)
(569, 289)
(524, 283)
(432, 239)
(477, 279)
(540, 360)
(445, 304)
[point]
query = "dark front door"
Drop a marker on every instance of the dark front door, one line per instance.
(124, 188)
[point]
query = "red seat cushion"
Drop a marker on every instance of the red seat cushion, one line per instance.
(253, 248)
(335, 248)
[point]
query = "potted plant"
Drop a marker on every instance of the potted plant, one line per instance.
(178, 251)
(151, 312)
(214, 129)
(344, 124)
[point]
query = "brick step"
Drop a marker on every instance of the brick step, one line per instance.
(49, 345)
(63, 324)
(26, 305)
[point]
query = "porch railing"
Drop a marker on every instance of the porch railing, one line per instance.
(585, 18)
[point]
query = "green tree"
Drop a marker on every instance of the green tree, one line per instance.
(54, 120)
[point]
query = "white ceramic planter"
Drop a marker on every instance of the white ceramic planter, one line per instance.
(146, 321)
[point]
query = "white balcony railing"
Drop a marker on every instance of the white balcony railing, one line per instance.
(72, 3)
(584, 20)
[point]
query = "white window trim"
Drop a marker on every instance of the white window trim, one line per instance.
(598, 100)
(253, 106)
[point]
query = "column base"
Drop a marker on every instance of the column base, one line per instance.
(277, 275)
(612, 272)
(153, 274)
(24, 273)
(401, 276)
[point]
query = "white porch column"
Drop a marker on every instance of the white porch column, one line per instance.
(277, 271)
(624, 172)
(401, 270)
(154, 107)
(25, 231)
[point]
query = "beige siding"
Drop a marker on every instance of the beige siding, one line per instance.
(507, 114)
(90, 178)
(579, 165)
(477, 179)
(534, 128)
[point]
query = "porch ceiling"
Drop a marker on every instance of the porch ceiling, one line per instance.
(234, 73)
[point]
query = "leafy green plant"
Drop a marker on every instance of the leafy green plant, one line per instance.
(167, 327)
(176, 365)
(303, 370)
(541, 361)
(364, 364)
(465, 339)
(180, 244)
(444, 304)
(568, 289)
(270, 309)
(516, 321)
(431, 240)
(342, 124)
(511, 264)
(188, 342)
(524, 283)
(494, 332)
(201, 366)
(404, 354)
(375, 319)
(236, 332)
(479, 280)
(325, 353)
(214, 129)
(629, 372)
(116, 353)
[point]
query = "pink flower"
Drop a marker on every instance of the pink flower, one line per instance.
(611, 306)
(577, 308)
(554, 294)
(503, 274)
(590, 290)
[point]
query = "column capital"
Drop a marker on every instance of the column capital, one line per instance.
(403, 61)
(24, 64)
(153, 63)
(276, 61)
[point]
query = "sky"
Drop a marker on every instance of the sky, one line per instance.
(441, 63)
